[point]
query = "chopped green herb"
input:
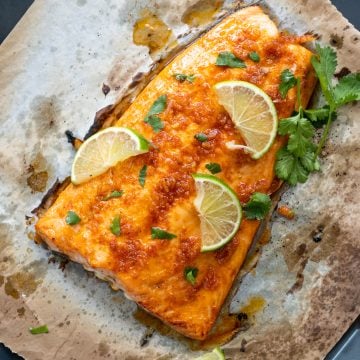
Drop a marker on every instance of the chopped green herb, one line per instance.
(115, 226)
(157, 233)
(201, 137)
(254, 56)
(142, 175)
(155, 122)
(214, 168)
(182, 77)
(227, 58)
(114, 194)
(39, 330)
(157, 107)
(190, 274)
(288, 81)
(72, 218)
(258, 206)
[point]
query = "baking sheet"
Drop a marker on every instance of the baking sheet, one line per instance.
(52, 69)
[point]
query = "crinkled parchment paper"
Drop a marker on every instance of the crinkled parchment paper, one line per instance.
(52, 68)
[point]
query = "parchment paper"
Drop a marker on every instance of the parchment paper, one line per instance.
(52, 68)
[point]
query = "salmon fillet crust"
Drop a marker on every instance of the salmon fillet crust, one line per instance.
(151, 272)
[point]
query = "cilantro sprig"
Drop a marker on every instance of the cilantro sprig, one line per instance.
(347, 89)
(299, 158)
(295, 161)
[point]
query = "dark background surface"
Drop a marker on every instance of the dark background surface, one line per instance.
(348, 347)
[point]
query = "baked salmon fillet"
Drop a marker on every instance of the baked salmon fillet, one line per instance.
(151, 272)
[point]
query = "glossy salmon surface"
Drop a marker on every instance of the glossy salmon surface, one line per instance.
(151, 272)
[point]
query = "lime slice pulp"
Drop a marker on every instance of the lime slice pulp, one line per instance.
(104, 150)
(253, 114)
(219, 210)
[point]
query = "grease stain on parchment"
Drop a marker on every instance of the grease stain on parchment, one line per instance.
(45, 114)
(149, 30)
(25, 282)
(316, 242)
(336, 41)
(103, 349)
(253, 306)
(6, 259)
(21, 311)
(38, 174)
(202, 12)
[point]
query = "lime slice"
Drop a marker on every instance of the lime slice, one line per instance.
(216, 354)
(253, 114)
(219, 210)
(104, 150)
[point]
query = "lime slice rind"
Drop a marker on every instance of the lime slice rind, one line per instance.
(104, 150)
(253, 113)
(219, 210)
(216, 354)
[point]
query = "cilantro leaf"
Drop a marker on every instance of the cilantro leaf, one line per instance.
(72, 218)
(318, 117)
(309, 161)
(182, 77)
(227, 58)
(115, 226)
(157, 107)
(142, 175)
(288, 125)
(113, 194)
(39, 330)
(289, 168)
(155, 122)
(288, 81)
(214, 168)
(300, 140)
(190, 274)
(325, 63)
(258, 206)
(157, 233)
(300, 130)
(347, 90)
(254, 56)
